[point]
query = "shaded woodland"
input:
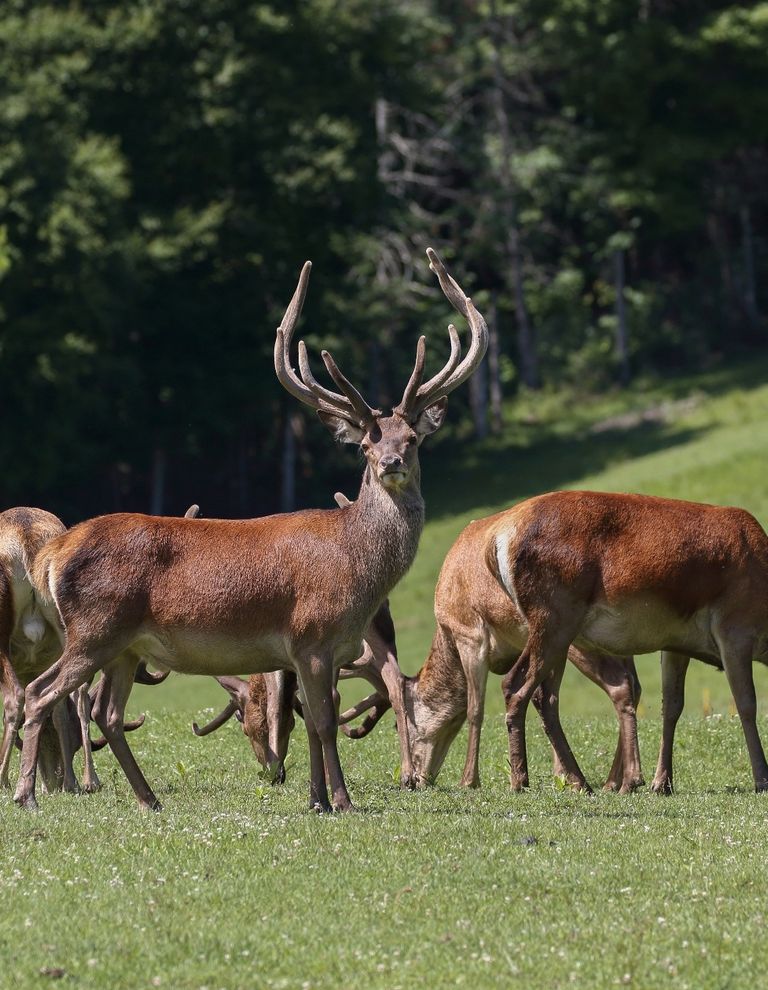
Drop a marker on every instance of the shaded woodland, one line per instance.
(595, 172)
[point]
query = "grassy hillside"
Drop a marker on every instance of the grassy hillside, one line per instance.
(703, 437)
(237, 886)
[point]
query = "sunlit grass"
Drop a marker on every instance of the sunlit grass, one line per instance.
(235, 885)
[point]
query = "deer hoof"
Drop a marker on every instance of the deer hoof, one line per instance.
(662, 786)
(27, 802)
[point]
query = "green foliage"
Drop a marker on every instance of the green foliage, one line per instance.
(165, 169)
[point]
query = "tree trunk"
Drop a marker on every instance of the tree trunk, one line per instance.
(478, 400)
(157, 495)
(719, 243)
(622, 344)
(494, 370)
(526, 345)
(748, 256)
(288, 467)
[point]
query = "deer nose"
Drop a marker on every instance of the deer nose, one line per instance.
(390, 462)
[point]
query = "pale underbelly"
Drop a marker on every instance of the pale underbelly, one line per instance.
(644, 627)
(189, 652)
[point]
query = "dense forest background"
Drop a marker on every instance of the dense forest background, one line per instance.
(595, 172)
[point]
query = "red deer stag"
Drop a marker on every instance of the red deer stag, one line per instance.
(265, 703)
(480, 629)
(215, 596)
(631, 574)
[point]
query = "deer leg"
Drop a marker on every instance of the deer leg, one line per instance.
(13, 715)
(318, 789)
(109, 713)
(49, 763)
(544, 652)
(60, 718)
(674, 667)
(546, 698)
(626, 774)
(738, 670)
(91, 782)
(316, 678)
(617, 676)
(474, 661)
(279, 709)
(539, 703)
(72, 669)
(392, 678)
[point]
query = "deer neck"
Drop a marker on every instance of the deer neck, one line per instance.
(441, 685)
(387, 525)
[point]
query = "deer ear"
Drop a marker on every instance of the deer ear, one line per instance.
(342, 429)
(432, 418)
(237, 689)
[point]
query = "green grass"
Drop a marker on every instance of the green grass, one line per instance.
(235, 885)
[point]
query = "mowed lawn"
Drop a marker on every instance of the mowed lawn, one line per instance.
(236, 885)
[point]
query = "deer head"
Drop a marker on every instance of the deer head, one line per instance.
(432, 727)
(390, 443)
(264, 707)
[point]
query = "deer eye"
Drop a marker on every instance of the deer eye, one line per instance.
(411, 439)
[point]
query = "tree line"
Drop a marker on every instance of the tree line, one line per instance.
(595, 172)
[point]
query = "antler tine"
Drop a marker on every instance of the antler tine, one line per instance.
(361, 407)
(453, 360)
(217, 722)
(285, 373)
(307, 389)
(359, 708)
(370, 720)
(454, 373)
(415, 380)
(342, 405)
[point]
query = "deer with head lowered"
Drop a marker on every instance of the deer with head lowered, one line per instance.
(28, 645)
(293, 591)
(481, 629)
(265, 704)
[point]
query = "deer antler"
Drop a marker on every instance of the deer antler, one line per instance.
(145, 676)
(350, 405)
(101, 742)
(417, 397)
(359, 708)
(380, 705)
(217, 722)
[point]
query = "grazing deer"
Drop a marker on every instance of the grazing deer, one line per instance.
(480, 628)
(629, 574)
(215, 596)
(28, 645)
(265, 703)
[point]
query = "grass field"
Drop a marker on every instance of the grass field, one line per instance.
(235, 885)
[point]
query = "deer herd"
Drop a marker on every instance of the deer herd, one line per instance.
(299, 600)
